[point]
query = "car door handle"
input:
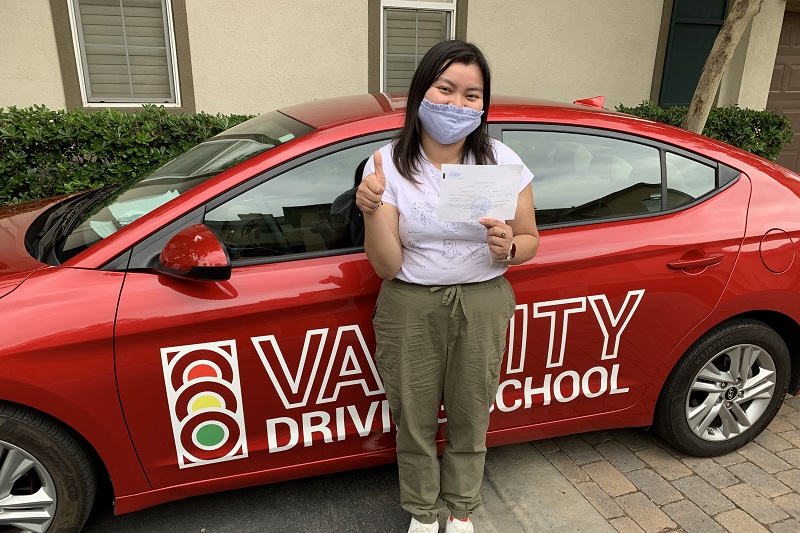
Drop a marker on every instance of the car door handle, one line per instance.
(706, 261)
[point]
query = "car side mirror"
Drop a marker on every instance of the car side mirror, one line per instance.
(195, 253)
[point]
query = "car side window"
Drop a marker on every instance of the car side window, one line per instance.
(310, 208)
(583, 177)
(687, 180)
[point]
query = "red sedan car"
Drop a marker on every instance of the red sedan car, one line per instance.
(207, 327)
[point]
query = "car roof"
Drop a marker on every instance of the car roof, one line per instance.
(329, 111)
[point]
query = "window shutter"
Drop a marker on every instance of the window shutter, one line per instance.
(409, 33)
(125, 50)
(693, 29)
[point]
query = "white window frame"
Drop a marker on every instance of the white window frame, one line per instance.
(172, 53)
(449, 7)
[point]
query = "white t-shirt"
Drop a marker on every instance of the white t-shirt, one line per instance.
(439, 253)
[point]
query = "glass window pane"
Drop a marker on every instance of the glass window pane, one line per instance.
(580, 177)
(687, 180)
(707, 10)
(408, 35)
(125, 50)
(310, 208)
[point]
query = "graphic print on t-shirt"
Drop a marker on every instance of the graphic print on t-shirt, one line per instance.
(450, 227)
(450, 252)
(422, 212)
(478, 250)
(416, 246)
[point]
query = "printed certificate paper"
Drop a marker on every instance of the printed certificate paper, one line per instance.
(470, 192)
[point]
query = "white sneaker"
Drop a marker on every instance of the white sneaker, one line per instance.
(419, 527)
(457, 526)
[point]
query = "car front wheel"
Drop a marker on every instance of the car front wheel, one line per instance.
(47, 483)
(725, 390)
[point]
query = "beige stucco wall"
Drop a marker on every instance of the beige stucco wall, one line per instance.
(252, 56)
(249, 59)
(747, 79)
(569, 49)
(29, 68)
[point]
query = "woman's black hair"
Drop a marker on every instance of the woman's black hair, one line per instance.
(407, 154)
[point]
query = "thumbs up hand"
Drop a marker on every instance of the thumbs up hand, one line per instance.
(370, 191)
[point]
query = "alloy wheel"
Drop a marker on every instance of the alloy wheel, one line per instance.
(731, 392)
(27, 492)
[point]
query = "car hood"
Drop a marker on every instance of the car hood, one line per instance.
(16, 263)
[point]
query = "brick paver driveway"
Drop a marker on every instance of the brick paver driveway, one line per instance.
(639, 483)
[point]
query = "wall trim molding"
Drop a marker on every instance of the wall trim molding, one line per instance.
(69, 67)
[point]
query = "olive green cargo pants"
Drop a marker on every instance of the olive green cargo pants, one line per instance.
(437, 343)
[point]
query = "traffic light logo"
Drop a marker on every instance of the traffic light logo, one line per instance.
(205, 401)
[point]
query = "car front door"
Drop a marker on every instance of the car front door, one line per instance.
(272, 368)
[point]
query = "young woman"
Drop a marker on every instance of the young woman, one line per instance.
(444, 306)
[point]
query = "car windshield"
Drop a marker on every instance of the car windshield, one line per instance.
(188, 170)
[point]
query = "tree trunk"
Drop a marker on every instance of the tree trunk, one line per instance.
(737, 20)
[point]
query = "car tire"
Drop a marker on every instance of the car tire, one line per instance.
(713, 402)
(38, 457)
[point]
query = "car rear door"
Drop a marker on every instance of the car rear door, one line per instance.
(638, 241)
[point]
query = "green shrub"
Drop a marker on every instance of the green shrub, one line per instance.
(763, 133)
(45, 153)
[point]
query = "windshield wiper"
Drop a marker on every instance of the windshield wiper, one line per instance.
(52, 223)
(64, 220)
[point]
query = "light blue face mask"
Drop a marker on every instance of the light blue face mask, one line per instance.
(448, 124)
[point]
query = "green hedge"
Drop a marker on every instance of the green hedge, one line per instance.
(763, 133)
(45, 153)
